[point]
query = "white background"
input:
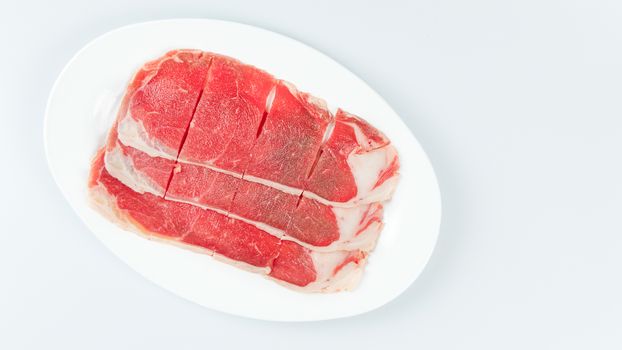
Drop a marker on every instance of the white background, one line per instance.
(517, 103)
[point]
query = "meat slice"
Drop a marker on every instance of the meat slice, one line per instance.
(320, 225)
(340, 270)
(137, 169)
(228, 116)
(160, 102)
(202, 186)
(306, 221)
(270, 208)
(230, 240)
(289, 141)
(357, 164)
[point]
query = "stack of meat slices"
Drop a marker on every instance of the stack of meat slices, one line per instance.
(221, 157)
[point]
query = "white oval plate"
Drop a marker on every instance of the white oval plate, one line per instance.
(81, 108)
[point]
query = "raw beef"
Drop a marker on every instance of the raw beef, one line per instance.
(356, 164)
(225, 238)
(228, 116)
(252, 126)
(291, 217)
(289, 141)
(306, 221)
(161, 100)
(221, 157)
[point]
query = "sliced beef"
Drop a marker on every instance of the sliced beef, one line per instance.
(306, 221)
(160, 102)
(221, 157)
(236, 242)
(356, 164)
(228, 116)
(291, 138)
(214, 111)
